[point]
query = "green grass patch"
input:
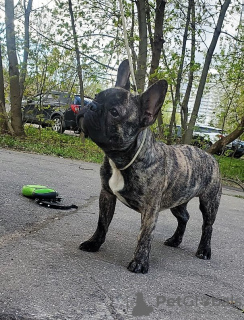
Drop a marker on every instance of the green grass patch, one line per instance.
(231, 168)
(46, 141)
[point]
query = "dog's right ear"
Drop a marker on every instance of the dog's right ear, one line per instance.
(123, 75)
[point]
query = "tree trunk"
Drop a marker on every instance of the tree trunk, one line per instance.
(26, 46)
(156, 47)
(131, 38)
(3, 119)
(219, 145)
(158, 40)
(204, 74)
(142, 54)
(15, 97)
(176, 100)
(79, 69)
(184, 104)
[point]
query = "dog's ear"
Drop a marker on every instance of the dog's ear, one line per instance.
(151, 102)
(123, 75)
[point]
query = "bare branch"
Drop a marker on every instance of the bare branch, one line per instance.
(233, 37)
(72, 49)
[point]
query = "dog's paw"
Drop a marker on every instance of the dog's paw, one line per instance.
(204, 254)
(137, 266)
(172, 242)
(90, 246)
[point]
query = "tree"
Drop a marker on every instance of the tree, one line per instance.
(203, 78)
(16, 78)
(192, 67)
(15, 98)
(230, 68)
(79, 69)
(23, 71)
(3, 114)
(156, 41)
(219, 145)
(166, 39)
(98, 34)
(176, 97)
(142, 52)
(229, 64)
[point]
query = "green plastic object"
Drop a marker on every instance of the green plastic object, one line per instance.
(38, 191)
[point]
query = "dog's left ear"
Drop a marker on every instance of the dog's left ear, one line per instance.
(123, 75)
(151, 102)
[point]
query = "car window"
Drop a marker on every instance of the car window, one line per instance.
(207, 130)
(77, 100)
(56, 98)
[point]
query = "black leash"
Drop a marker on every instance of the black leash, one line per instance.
(54, 204)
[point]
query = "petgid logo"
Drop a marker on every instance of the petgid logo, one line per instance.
(195, 301)
(140, 306)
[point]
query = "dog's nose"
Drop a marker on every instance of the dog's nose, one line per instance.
(93, 107)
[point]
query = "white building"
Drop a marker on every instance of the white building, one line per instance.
(209, 102)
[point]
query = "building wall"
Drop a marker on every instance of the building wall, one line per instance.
(209, 102)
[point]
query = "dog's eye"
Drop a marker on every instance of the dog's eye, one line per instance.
(114, 112)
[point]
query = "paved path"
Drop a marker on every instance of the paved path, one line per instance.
(44, 276)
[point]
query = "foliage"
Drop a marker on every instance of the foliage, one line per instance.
(230, 68)
(52, 59)
(231, 168)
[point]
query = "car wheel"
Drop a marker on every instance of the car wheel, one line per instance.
(238, 155)
(57, 124)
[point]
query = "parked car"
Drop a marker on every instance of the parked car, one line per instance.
(204, 136)
(237, 147)
(56, 109)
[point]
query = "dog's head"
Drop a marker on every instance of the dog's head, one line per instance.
(115, 117)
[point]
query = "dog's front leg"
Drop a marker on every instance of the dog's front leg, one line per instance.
(140, 262)
(107, 202)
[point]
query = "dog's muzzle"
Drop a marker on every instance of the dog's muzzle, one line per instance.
(91, 117)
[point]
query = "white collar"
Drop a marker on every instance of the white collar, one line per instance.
(137, 152)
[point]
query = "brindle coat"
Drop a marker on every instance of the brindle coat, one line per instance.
(161, 176)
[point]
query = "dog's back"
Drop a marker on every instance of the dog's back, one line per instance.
(190, 172)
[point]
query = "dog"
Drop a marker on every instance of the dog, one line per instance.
(146, 175)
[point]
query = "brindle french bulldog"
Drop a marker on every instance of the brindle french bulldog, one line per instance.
(146, 175)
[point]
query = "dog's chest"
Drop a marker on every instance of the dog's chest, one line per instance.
(116, 182)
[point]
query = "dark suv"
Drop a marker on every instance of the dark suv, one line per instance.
(56, 109)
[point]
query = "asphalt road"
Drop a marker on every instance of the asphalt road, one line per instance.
(43, 274)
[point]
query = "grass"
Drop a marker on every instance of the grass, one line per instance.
(231, 168)
(46, 141)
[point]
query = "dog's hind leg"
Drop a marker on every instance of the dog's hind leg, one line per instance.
(209, 208)
(182, 216)
(107, 202)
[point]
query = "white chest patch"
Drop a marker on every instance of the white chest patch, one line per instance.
(116, 182)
